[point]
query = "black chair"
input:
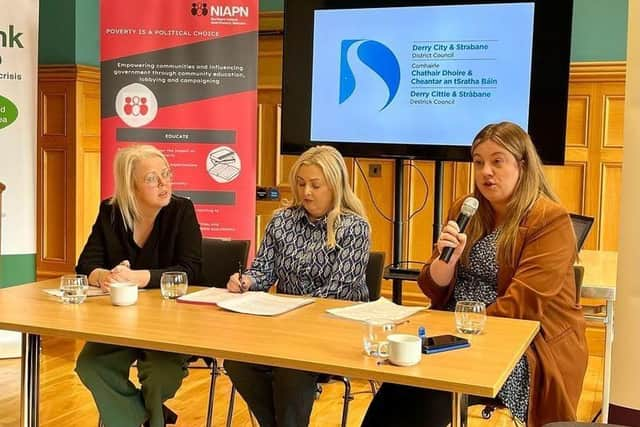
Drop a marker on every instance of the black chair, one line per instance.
(581, 226)
(220, 259)
(373, 275)
(375, 268)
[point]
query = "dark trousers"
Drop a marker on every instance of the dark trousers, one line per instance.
(399, 405)
(104, 370)
(278, 397)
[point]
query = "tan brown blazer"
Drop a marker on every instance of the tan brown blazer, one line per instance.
(540, 286)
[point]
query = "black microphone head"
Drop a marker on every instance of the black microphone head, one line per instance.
(469, 206)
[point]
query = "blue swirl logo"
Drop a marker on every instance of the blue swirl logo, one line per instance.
(378, 57)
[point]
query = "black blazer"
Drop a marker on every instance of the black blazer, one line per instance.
(175, 243)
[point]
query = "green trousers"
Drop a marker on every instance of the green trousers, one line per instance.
(104, 370)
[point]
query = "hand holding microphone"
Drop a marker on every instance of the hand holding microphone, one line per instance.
(452, 240)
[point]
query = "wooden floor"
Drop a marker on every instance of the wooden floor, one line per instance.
(65, 402)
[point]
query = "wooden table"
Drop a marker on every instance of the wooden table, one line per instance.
(307, 338)
(599, 281)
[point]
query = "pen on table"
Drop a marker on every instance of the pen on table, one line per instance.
(240, 271)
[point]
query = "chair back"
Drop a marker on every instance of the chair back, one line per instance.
(220, 260)
(375, 268)
(581, 226)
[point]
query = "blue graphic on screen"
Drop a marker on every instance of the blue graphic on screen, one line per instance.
(420, 75)
(376, 56)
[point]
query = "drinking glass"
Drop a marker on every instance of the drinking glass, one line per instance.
(74, 288)
(173, 284)
(470, 317)
(375, 337)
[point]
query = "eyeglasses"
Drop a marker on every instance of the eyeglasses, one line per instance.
(153, 179)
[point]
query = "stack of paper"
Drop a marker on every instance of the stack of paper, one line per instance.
(263, 304)
(258, 303)
(209, 296)
(380, 309)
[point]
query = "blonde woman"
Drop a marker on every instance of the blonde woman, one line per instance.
(141, 232)
(517, 257)
(318, 246)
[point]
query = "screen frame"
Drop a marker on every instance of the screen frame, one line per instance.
(548, 90)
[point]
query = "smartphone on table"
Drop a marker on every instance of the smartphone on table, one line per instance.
(442, 343)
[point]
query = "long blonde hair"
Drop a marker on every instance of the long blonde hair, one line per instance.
(124, 166)
(530, 185)
(334, 169)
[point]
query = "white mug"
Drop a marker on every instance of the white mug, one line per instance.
(404, 349)
(123, 293)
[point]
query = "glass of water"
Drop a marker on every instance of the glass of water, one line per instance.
(74, 288)
(375, 336)
(470, 317)
(173, 284)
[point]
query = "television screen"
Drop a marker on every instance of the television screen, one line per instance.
(418, 79)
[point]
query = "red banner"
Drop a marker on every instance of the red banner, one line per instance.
(181, 75)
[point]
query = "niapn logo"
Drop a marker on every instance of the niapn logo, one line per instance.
(230, 11)
(378, 57)
(199, 9)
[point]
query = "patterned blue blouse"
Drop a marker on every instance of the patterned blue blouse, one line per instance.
(294, 253)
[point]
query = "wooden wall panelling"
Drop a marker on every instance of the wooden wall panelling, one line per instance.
(419, 228)
(609, 213)
(268, 149)
(55, 185)
(599, 87)
(87, 154)
(605, 154)
(67, 150)
(269, 113)
(378, 191)
(611, 152)
(568, 183)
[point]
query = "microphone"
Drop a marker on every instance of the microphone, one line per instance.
(469, 207)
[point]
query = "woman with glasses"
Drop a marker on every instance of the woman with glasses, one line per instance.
(141, 231)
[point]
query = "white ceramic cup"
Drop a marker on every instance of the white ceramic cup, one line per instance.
(124, 293)
(404, 349)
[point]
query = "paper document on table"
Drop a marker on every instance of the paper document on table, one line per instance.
(92, 292)
(263, 304)
(211, 296)
(380, 309)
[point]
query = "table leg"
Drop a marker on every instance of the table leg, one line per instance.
(459, 404)
(608, 340)
(30, 385)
